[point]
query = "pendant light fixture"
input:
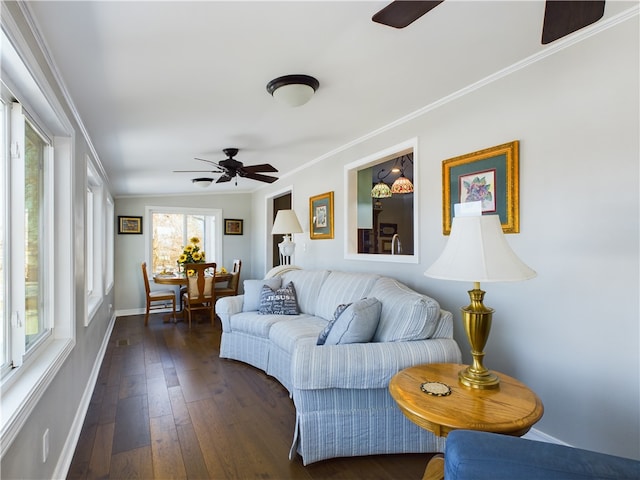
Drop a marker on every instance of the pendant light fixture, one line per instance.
(402, 184)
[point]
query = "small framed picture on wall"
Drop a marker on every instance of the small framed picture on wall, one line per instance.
(130, 225)
(232, 226)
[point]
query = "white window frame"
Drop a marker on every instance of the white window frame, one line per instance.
(95, 251)
(22, 387)
(211, 212)
(109, 239)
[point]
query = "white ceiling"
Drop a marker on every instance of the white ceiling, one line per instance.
(159, 83)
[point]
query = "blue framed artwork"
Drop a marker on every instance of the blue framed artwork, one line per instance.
(490, 176)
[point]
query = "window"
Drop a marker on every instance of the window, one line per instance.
(171, 229)
(382, 229)
(96, 253)
(109, 239)
(28, 241)
(36, 235)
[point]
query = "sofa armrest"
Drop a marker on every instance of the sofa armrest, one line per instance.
(364, 365)
(227, 306)
(489, 456)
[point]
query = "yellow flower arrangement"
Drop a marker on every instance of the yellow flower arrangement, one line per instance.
(192, 253)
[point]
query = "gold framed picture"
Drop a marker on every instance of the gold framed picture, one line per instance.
(130, 225)
(490, 176)
(321, 216)
(233, 226)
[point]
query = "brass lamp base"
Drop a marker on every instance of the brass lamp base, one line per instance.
(477, 324)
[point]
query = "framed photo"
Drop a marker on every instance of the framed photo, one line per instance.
(232, 226)
(321, 216)
(490, 176)
(388, 229)
(130, 225)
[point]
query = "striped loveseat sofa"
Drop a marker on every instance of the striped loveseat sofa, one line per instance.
(340, 392)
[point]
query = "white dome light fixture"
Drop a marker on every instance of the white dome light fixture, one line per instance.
(293, 90)
(202, 182)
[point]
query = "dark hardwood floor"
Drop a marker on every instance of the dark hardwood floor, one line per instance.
(165, 406)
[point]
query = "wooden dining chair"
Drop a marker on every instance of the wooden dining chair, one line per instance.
(156, 299)
(200, 293)
(231, 290)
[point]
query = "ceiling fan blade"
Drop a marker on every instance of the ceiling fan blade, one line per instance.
(197, 171)
(401, 13)
(224, 178)
(263, 167)
(208, 161)
(260, 178)
(562, 17)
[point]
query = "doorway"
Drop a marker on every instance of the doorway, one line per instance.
(282, 202)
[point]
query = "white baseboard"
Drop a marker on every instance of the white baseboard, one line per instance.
(141, 311)
(69, 448)
(539, 436)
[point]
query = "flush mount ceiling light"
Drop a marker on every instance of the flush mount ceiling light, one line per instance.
(293, 90)
(203, 182)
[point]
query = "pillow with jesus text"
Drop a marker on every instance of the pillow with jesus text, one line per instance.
(282, 301)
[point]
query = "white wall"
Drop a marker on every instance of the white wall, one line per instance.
(572, 333)
(63, 404)
(130, 249)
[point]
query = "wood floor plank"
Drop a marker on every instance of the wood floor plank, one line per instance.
(165, 449)
(100, 463)
(203, 419)
(191, 453)
(132, 385)
(193, 385)
(179, 406)
(109, 404)
(158, 397)
(132, 424)
(133, 464)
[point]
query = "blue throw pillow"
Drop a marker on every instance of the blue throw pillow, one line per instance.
(323, 334)
(355, 324)
(282, 301)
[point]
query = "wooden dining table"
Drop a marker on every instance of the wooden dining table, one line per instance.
(181, 279)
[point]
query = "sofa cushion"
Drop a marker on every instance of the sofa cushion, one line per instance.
(282, 301)
(252, 289)
(308, 284)
(254, 324)
(288, 333)
(355, 324)
(343, 288)
(406, 314)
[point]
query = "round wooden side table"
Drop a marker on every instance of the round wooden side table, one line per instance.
(510, 409)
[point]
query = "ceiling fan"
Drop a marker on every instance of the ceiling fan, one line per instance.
(231, 168)
(561, 17)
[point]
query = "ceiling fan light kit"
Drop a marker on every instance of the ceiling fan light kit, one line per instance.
(202, 182)
(293, 90)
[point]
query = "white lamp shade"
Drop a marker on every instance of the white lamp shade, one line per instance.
(286, 222)
(477, 251)
(294, 94)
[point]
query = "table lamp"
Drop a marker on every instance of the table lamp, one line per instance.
(286, 223)
(477, 251)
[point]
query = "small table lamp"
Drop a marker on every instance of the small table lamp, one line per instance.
(478, 251)
(286, 223)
